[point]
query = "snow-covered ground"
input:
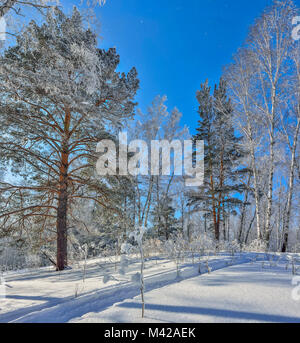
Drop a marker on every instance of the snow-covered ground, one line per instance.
(243, 289)
(242, 293)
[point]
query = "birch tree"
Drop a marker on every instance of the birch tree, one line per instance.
(238, 76)
(157, 124)
(291, 133)
(269, 43)
(257, 81)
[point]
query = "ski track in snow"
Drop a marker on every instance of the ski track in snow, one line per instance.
(53, 299)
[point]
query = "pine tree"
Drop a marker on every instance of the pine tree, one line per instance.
(60, 95)
(222, 155)
(163, 218)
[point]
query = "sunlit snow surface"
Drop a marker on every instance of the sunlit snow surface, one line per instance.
(248, 291)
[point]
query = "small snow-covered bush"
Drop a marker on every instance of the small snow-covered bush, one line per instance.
(232, 247)
(152, 246)
(296, 248)
(175, 248)
(294, 261)
(127, 248)
(202, 243)
(14, 257)
(257, 245)
(33, 261)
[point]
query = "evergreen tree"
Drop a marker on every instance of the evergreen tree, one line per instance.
(163, 218)
(60, 95)
(222, 157)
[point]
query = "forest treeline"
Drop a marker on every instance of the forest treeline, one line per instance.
(60, 94)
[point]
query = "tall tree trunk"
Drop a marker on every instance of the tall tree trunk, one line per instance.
(270, 188)
(62, 239)
(134, 208)
(62, 208)
(256, 189)
(250, 227)
(221, 199)
(158, 201)
(279, 220)
(182, 213)
(228, 227)
(290, 192)
(243, 213)
(145, 214)
(217, 230)
(224, 220)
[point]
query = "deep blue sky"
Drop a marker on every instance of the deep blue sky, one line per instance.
(175, 44)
